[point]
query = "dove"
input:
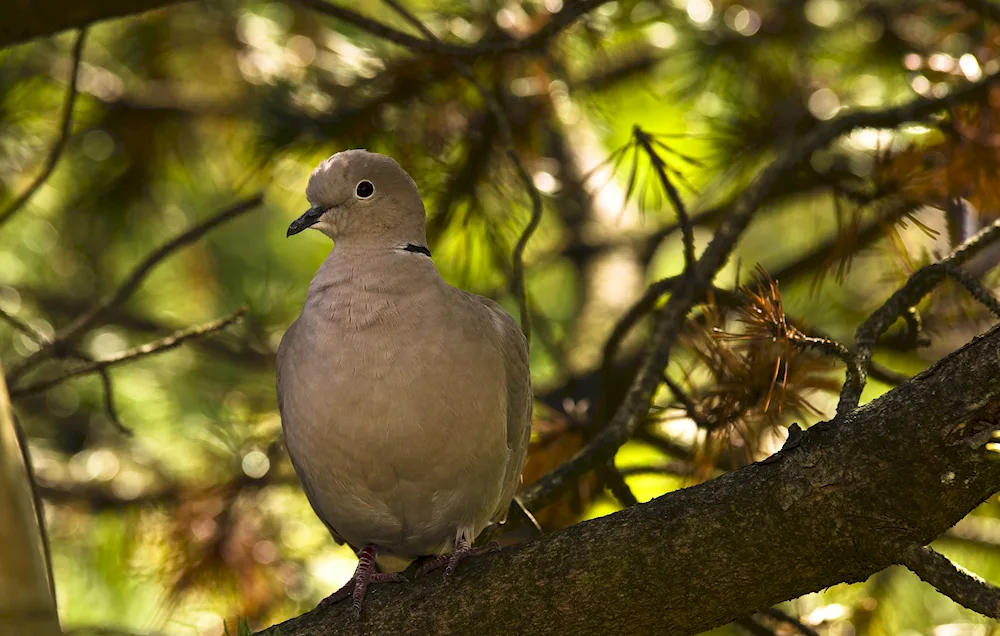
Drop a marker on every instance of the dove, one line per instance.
(405, 402)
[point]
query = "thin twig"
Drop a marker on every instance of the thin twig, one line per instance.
(109, 397)
(647, 302)
(630, 318)
(64, 130)
(535, 42)
(678, 468)
(688, 403)
(89, 318)
(129, 355)
(975, 288)
(750, 625)
(687, 231)
(920, 283)
(664, 444)
(507, 139)
(110, 410)
(614, 481)
(640, 308)
(955, 582)
(168, 493)
(776, 614)
(885, 375)
(854, 373)
(33, 334)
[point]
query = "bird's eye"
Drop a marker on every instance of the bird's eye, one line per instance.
(365, 189)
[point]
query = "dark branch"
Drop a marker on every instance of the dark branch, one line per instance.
(679, 468)
(687, 231)
(872, 480)
(533, 43)
(90, 318)
(920, 283)
(33, 334)
(26, 19)
(151, 348)
(976, 289)
(614, 481)
(64, 129)
(777, 615)
(109, 397)
(670, 319)
(751, 626)
(110, 410)
(959, 585)
(507, 139)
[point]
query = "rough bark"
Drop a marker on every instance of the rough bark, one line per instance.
(848, 499)
(21, 20)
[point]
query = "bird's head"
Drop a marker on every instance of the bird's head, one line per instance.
(363, 196)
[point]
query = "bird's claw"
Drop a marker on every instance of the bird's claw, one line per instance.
(358, 584)
(462, 552)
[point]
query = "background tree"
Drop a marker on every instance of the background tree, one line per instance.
(638, 177)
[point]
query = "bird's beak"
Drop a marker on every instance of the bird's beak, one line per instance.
(311, 217)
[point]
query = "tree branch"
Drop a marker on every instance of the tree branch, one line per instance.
(129, 355)
(670, 319)
(921, 283)
(109, 392)
(958, 584)
(89, 318)
(64, 129)
(507, 138)
(559, 21)
(706, 555)
(781, 617)
(26, 19)
(645, 141)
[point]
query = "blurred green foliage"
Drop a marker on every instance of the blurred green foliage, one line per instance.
(197, 519)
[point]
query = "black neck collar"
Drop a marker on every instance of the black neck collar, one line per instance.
(420, 249)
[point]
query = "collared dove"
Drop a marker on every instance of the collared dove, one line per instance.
(406, 402)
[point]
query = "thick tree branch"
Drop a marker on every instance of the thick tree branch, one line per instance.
(899, 472)
(22, 20)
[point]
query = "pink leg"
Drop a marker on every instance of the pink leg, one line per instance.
(363, 575)
(463, 550)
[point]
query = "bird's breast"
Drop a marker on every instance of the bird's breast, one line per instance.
(396, 413)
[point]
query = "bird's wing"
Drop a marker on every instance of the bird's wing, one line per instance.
(283, 349)
(519, 400)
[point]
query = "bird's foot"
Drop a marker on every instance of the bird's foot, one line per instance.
(358, 584)
(463, 550)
